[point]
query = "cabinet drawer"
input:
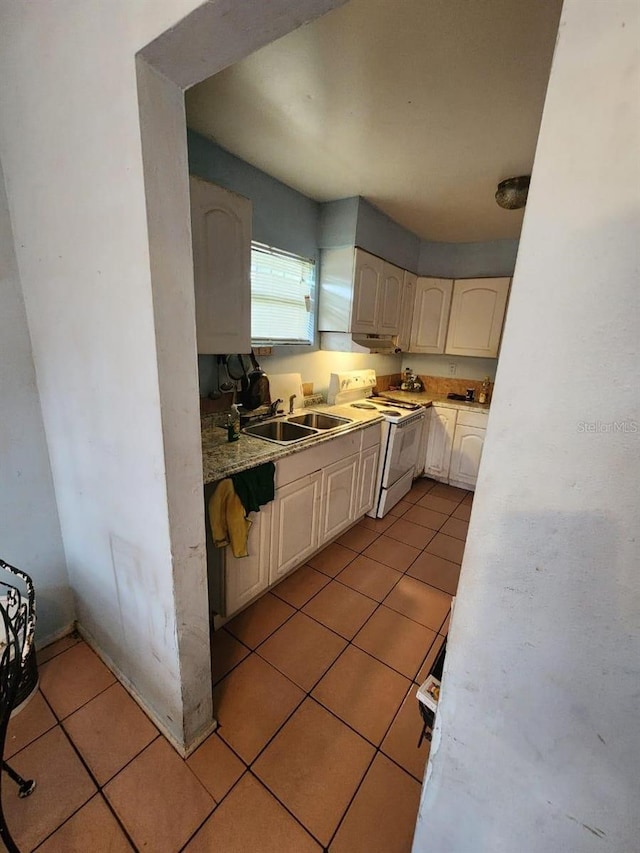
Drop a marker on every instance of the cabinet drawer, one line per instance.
(315, 458)
(472, 419)
(371, 436)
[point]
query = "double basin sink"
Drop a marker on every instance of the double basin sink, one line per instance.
(296, 427)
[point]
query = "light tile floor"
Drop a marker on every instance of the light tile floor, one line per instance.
(315, 694)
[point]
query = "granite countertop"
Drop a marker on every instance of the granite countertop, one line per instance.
(424, 398)
(220, 457)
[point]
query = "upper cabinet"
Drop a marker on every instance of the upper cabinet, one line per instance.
(390, 300)
(406, 310)
(221, 234)
(359, 293)
(477, 314)
(367, 290)
(377, 296)
(363, 295)
(431, 314)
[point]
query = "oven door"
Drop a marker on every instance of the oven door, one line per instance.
(402, 449)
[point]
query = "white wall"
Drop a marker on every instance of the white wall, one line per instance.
(70, 147)
(99, 308)
(537, 747)
(29, 527)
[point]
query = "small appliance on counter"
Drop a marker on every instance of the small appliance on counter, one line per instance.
(401, 433)
(411, 382)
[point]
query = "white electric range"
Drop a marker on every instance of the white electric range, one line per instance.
(401, 432)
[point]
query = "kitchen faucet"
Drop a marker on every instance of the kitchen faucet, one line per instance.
(273, 408)
(291, 399)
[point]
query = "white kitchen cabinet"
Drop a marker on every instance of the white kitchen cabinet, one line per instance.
(339, 491)
(221, 236)
(441, 431)
(390, 300)
(477, 315)
(320, 492)
(359, 293)
(295, 524)
(431, 314)
(423, 444)
(468, 442)
(367, 293)
(247, 577)
(465, 457)
(406, 310)
(366, 489)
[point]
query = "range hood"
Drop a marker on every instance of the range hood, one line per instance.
(376, 343)
(344, 342)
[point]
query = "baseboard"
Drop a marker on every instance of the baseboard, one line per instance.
(183, 752)
(57, 635)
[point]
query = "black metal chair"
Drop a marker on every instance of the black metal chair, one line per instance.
(17, 671)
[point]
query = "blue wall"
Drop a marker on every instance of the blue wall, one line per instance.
(380, 235)
(287, 219)
(354, 221)
(282, 217)
(467, 260)
(338, 223)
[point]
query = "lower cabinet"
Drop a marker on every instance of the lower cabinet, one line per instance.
(366, 489)
(295, 524)
(441, 430)
(247, 577)
(454, 447)
(339, 490)
(465, 456)
(309, 509)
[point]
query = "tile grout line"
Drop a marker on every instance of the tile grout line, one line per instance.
(307, 695)
(59, 720)
(349, 642)
(95, 782)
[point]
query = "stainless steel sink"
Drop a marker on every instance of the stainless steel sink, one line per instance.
(317, 420)
(279, 431)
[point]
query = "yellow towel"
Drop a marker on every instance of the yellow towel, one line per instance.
(227, 519)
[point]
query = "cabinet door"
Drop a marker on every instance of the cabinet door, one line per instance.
(366, 293)
(294, 526)
(390, 300)
(477, 316)
(465, 457)
(247, 577)
(367, 477)
(431, 314)
(441, 429)
(221, 235)
(424, 443)
(339, 487)
(406, 312)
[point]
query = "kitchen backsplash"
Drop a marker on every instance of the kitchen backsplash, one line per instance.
(315, 366)
(438, 386)
(441, 365)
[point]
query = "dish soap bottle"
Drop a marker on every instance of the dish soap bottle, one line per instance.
(483, 396)
(233, 424)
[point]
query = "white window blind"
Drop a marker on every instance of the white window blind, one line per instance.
(282, 296)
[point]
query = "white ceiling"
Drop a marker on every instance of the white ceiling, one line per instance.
(420, 106)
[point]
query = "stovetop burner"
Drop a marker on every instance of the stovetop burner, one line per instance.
(364, 406)
(394, 413)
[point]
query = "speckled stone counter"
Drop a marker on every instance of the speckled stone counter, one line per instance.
(424, 398)
(220, 457)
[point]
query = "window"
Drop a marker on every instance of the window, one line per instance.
(282, 297)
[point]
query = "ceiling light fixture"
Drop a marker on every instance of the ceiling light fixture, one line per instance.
(512, 193)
